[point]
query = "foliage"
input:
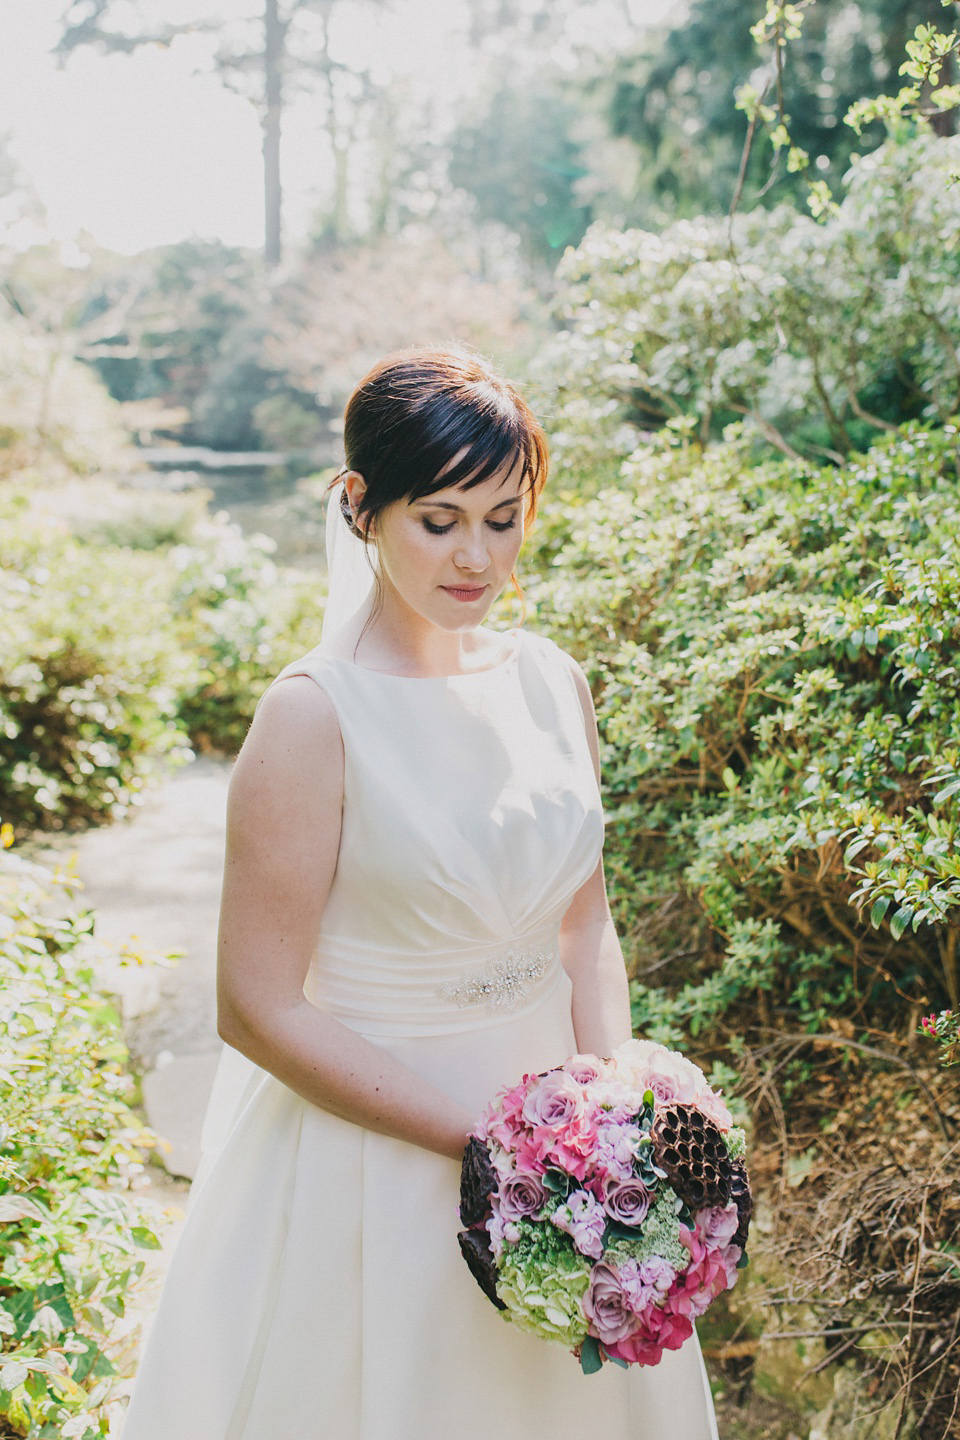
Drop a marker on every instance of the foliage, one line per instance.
(112, 656)
(521, 163)
(773, 652)
(70, 1147)
(242, 620)
(674, 98)
(945, 1029)
(924, 98)
(268, 362)
(90, 673)
(50, 405)
(822, 335)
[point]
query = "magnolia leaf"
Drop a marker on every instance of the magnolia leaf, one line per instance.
(900, 921)
(18, 1207)
(144, 1238)
(47, 1322)
(878, 910)
(13, 1374)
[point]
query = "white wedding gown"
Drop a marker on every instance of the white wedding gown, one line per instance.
(317, 1291)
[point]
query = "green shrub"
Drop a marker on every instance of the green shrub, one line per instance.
(71, 1232)
(112, 657)
(823, 334)
(242, 619)
(774, 652)
(90, 673)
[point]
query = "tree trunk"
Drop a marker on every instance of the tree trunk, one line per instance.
(273, 57)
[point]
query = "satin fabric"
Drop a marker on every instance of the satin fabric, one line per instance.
(317, 1291)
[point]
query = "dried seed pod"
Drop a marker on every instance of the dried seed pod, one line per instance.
(475, 1248)
(691, 1150)
(478, 1181)
(740, 1193)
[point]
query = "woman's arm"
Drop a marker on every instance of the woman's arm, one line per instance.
(283, 834)
(589, 946)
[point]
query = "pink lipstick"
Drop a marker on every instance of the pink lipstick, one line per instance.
(464, 592)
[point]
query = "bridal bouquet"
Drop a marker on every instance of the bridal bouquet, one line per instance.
(606, 1203)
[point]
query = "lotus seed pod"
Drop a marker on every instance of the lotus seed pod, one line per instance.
(740, 1193)
(691, 1150)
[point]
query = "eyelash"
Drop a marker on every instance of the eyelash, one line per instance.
(433, 529)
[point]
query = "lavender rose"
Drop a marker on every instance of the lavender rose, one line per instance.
(607, 1306)
(719, 1225)
(555, 1099)
(522, 1195)
(627, 1201)
(585, 1069)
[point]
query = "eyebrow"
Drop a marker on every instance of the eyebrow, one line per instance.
(445, 505)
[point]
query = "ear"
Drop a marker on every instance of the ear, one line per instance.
(355, 487)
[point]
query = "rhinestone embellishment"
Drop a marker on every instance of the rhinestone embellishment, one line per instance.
(501, 984)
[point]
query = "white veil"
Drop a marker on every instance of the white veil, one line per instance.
(351, 578)
(350, 569)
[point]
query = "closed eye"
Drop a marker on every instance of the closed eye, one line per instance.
(434, 529)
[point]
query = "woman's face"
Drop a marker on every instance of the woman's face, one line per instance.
(448, 556)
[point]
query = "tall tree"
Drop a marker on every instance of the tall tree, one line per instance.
(279, 46)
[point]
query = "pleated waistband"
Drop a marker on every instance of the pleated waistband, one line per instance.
(417, 993)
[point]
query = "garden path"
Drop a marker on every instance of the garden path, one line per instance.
(154, 881)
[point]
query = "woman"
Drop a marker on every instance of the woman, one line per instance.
(413, 915)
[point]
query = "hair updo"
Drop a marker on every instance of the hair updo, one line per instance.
(415, 412)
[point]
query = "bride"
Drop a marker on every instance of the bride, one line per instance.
(413, 915)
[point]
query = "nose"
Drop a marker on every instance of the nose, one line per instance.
(472, 553)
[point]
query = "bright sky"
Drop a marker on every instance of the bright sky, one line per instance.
(146, 149)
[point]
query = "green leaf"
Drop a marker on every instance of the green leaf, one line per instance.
(878, 910)
(590, 1358)
(900, 921)
(144, 1238)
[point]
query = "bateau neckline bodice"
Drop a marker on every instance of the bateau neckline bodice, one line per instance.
(508, 660)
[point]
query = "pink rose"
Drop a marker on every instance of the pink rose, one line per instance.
(585, 1069)
(654, 1331)
(673, 1078)
(582, 1218)
(606, 1305)
(521, 1195)
(631, 1059)
(636, 1349)
(627, 1201)
(708, 1102)
(553, 1099)
(718, 1225)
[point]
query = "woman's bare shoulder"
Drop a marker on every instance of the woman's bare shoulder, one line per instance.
(294, 745)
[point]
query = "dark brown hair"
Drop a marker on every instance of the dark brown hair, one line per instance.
(417, 410)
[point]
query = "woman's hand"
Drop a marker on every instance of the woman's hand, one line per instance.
(283, 835)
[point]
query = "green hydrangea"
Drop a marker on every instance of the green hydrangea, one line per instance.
(736, 1142)
(542, 1282)
(661, 1236)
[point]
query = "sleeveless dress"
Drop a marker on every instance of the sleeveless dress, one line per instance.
(317, 1291)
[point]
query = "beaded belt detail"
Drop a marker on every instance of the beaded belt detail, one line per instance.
(503, 983)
